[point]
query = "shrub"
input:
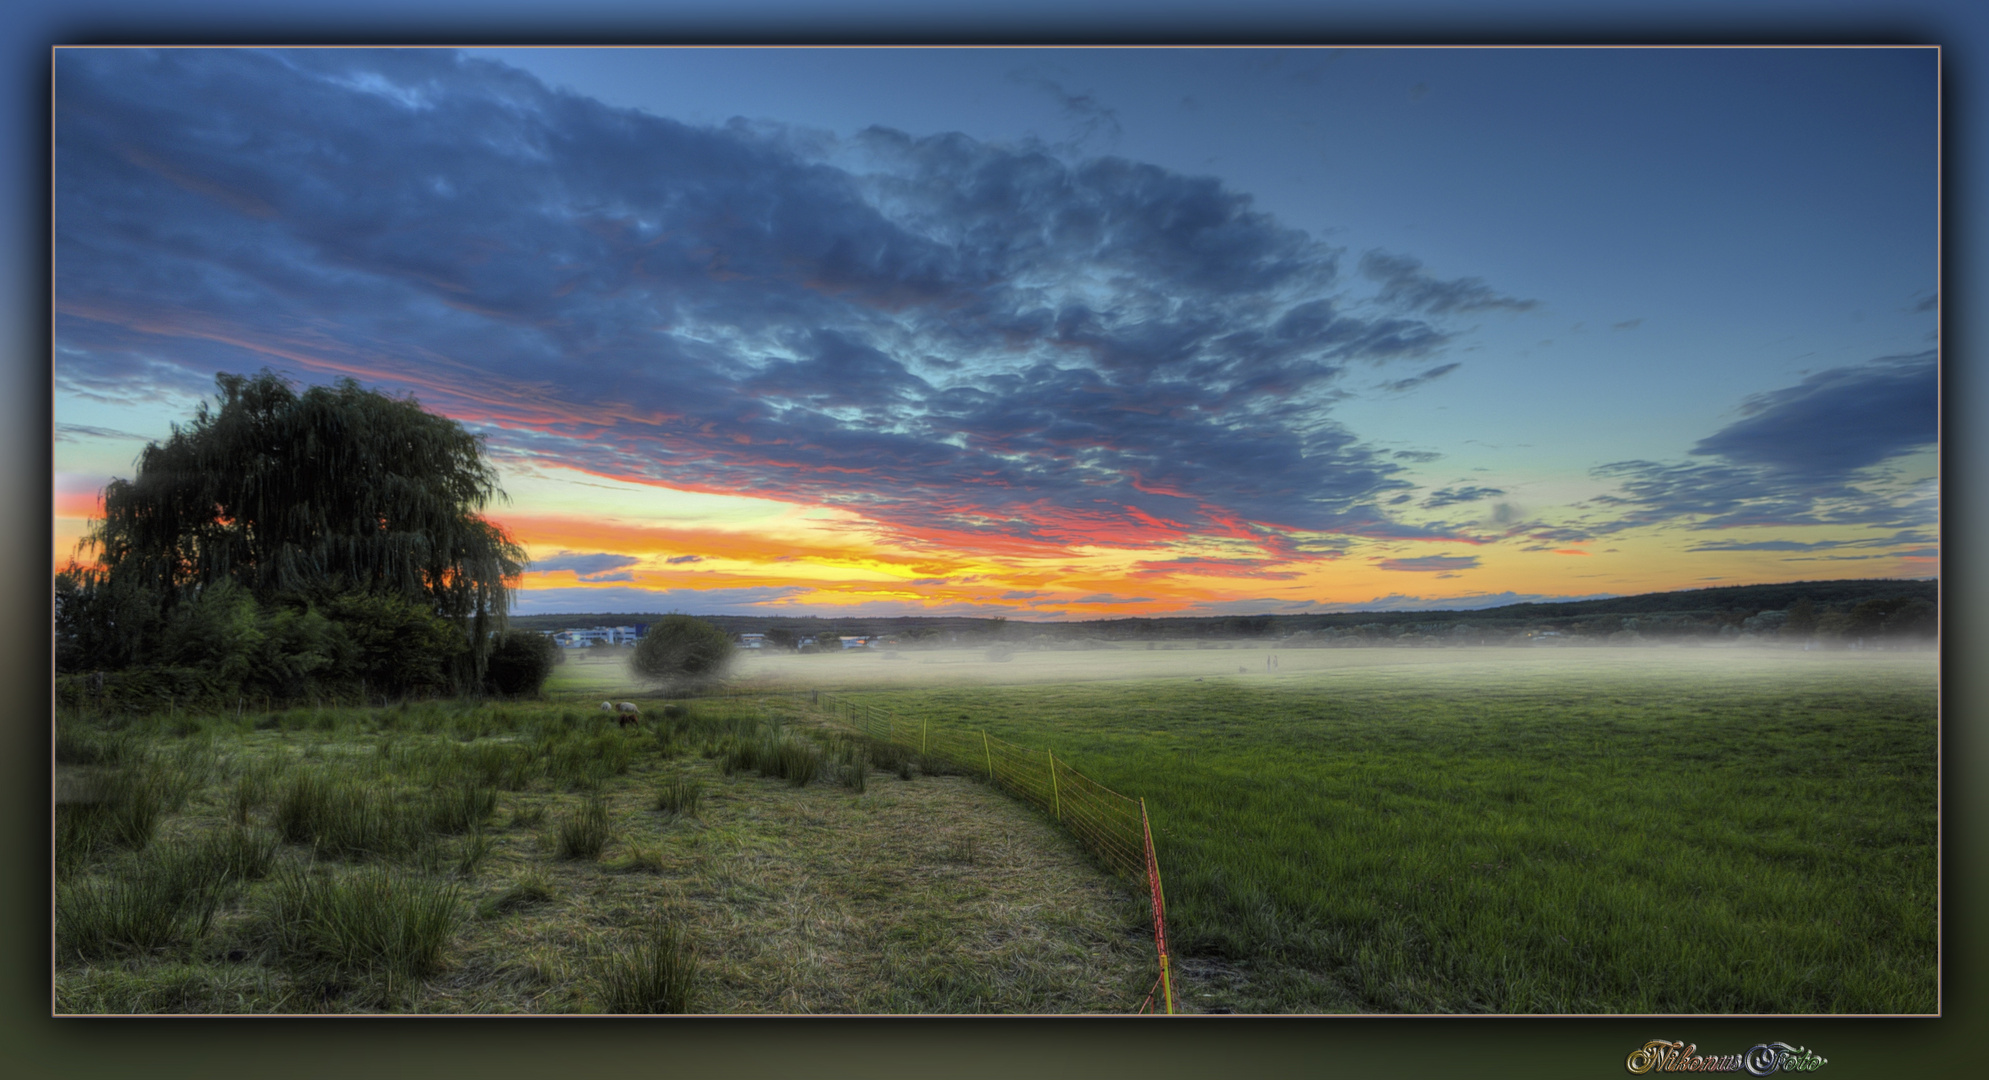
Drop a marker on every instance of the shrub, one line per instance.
(657, 976)
(520, 663)
(681, 649)
(398, 646)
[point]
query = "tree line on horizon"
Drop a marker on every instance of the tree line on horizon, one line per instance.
(1879, 610)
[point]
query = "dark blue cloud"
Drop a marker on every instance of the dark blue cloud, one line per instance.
(944, 333)
(1836, 422)
(1909, 537)
(1413, 381)
(1467, 602)
(1404, 283)
(1430, 563)
(597, 566)
(1449, 496)
(760, 600)
(1803, 455)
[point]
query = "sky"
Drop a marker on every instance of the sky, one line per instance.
(1050, 333)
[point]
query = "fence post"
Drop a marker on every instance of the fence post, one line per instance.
(1159, 909)
(921, 736)
(1056, 799)
(989, 753)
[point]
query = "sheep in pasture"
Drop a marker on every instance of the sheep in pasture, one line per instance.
(627, 713)
(607, 706)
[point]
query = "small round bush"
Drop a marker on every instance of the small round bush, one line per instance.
(679, 648)
(520, 663)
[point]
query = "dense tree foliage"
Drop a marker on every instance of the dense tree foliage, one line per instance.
(679, 648)
(290, 542)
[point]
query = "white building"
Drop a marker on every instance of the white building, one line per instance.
(600, 635)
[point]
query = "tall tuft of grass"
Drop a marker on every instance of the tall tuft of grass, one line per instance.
(584, 833)
(500, 765)
(187, 769)
(253, 789)
(167, 900)
(237, 854)
(120, 807)
(140, 913)
(888, 756)
(474, 851)
(656, 976)
(76, 744)
(584, 761)
(680, 795)
(793, 760)
(372, 920)
(337, 816)
(461, 809)
(738, 755)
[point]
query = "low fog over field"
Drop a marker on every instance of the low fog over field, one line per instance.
(1241, 663)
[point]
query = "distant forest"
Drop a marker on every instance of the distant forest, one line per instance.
(1826, 612)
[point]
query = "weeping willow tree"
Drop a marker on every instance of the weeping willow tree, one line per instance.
(337, 491)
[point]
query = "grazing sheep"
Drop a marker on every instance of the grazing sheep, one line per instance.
(607, 706)
(628, 714)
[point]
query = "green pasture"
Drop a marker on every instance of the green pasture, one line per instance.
(1671, 830)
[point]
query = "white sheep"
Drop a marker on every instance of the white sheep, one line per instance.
(628, 713)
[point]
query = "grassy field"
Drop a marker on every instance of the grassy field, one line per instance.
(1589, 830)
(1670, 830)
(734, 858)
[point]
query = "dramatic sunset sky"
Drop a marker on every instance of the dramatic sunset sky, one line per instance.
(1050, 333)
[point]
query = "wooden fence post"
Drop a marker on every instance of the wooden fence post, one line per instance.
(1056, 799)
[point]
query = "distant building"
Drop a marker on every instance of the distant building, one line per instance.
(599, 635)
